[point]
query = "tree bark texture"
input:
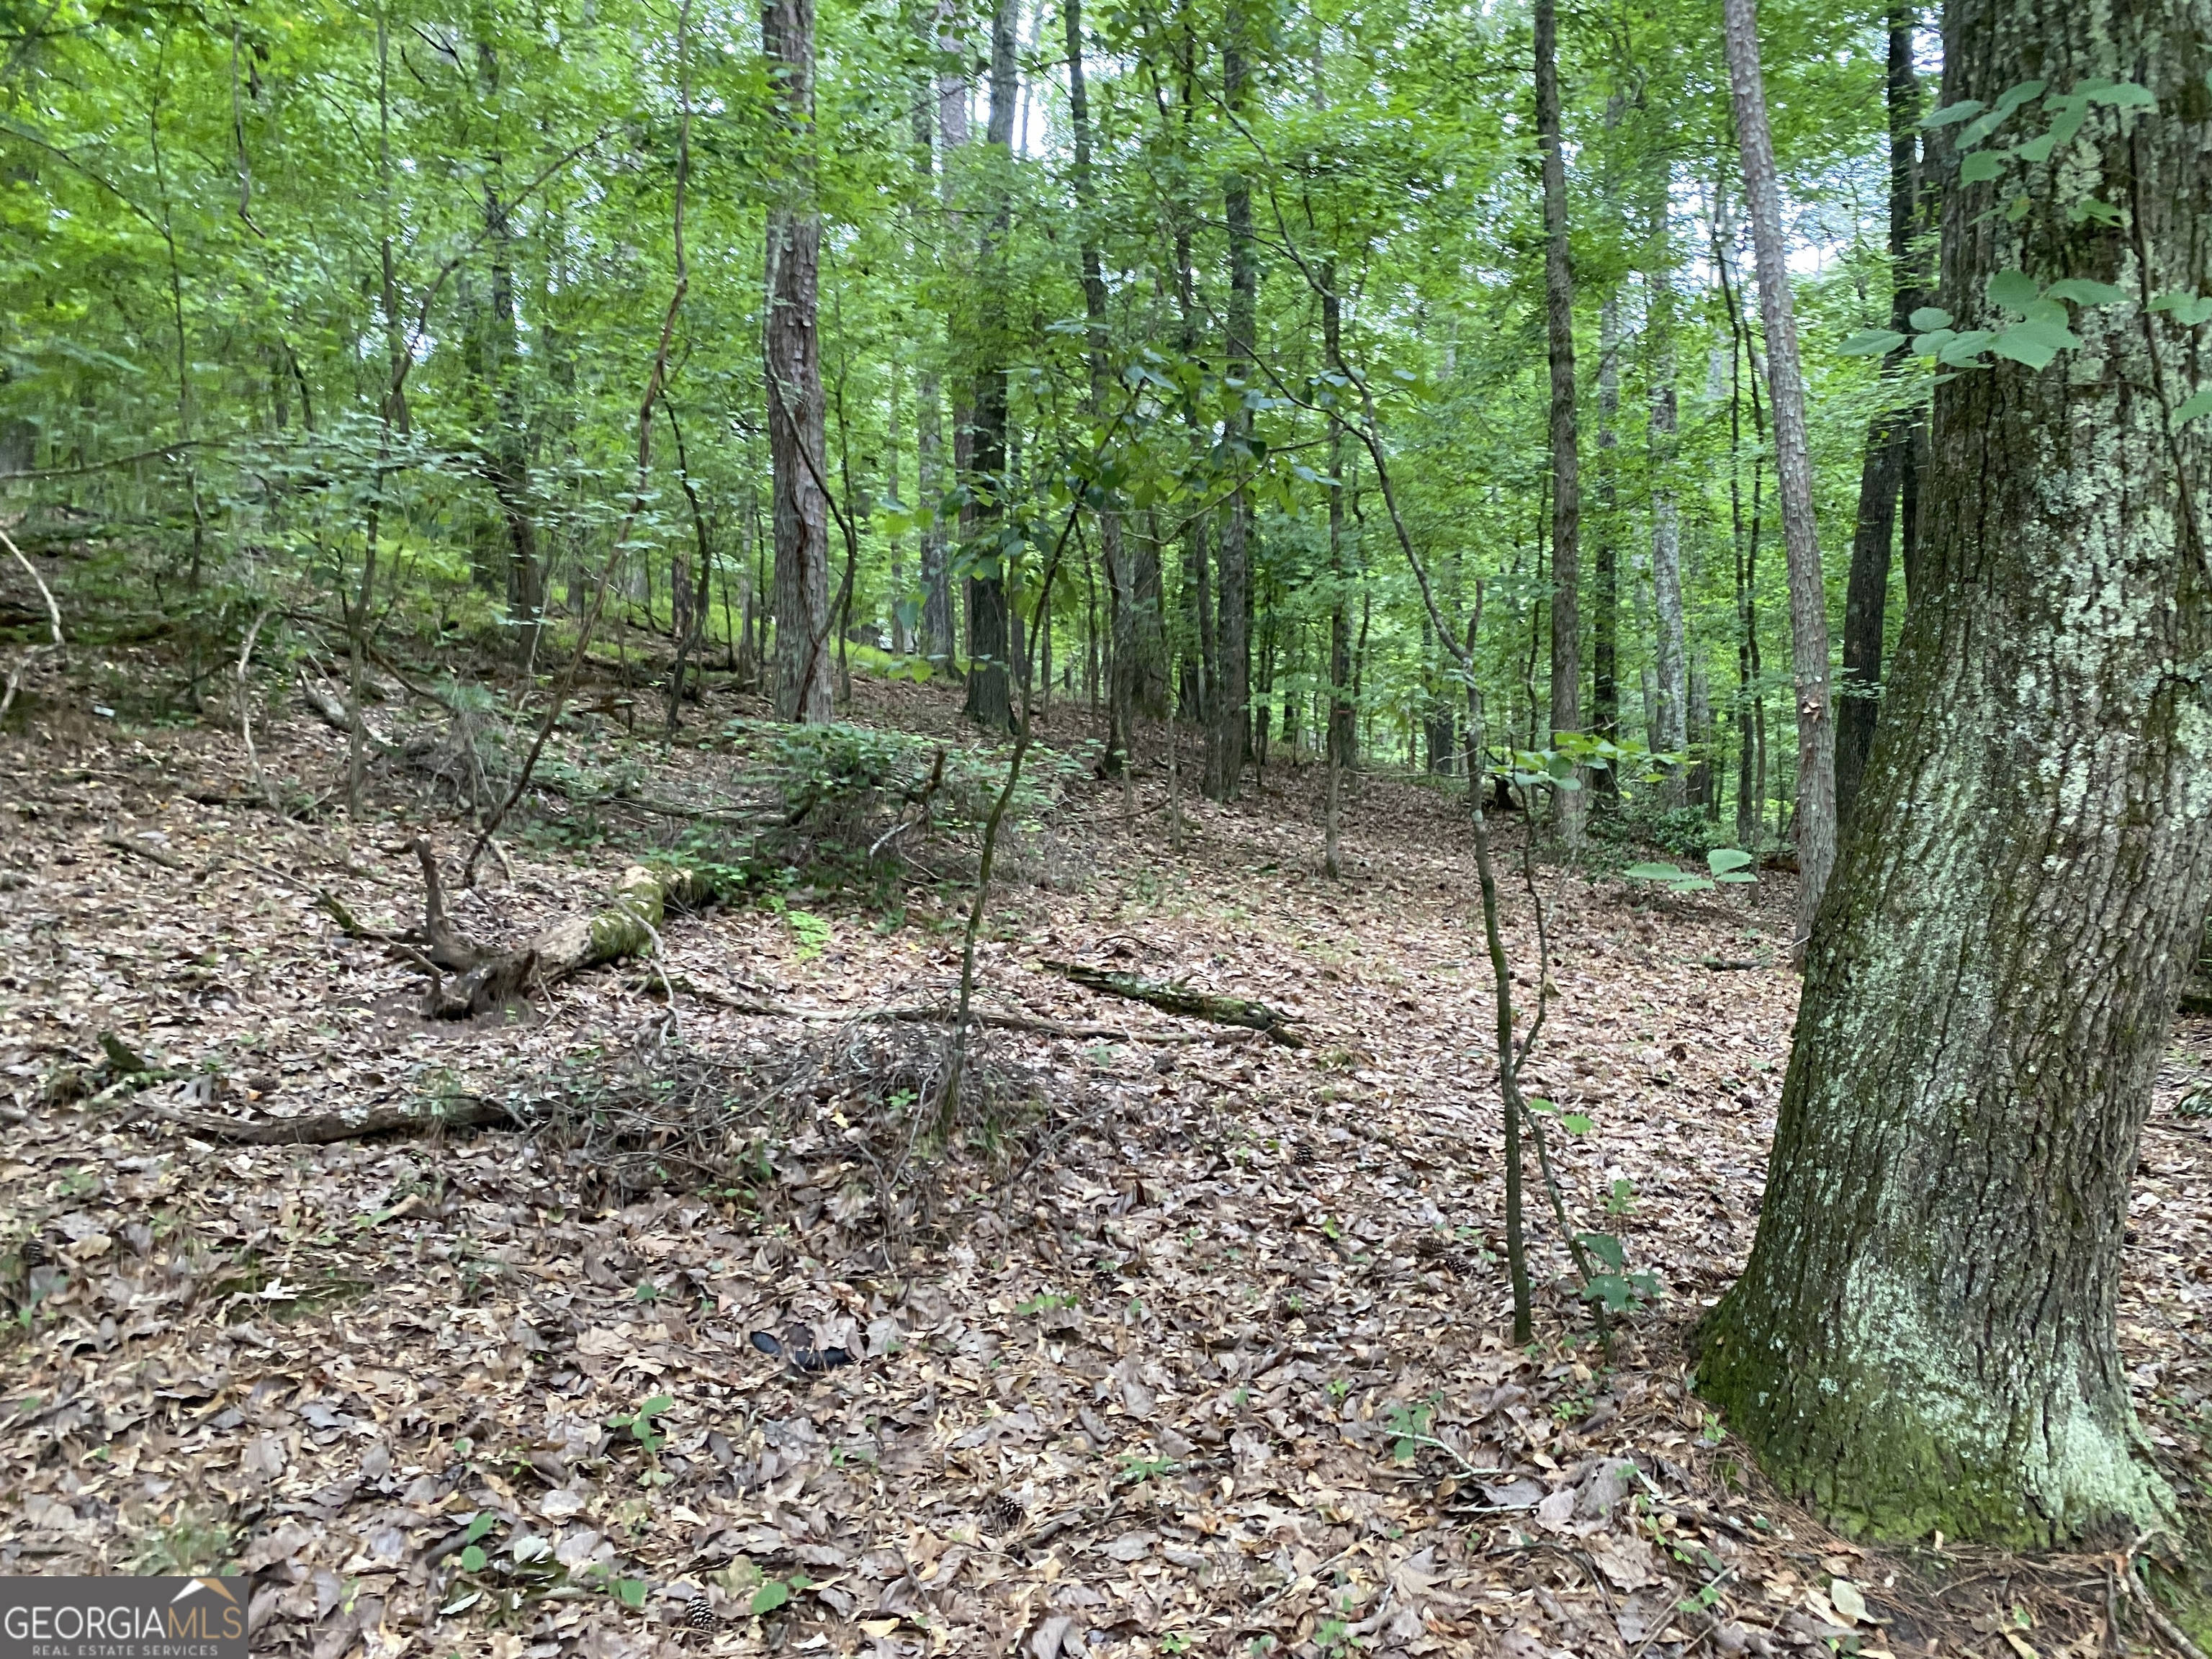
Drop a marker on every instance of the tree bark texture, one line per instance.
(1793, 468)
(1889, 445)
(1566, 472)
(1924, 1335)
(798, 451)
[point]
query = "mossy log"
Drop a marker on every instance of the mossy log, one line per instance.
(628, 925)
(484, 979)
(1180, 999)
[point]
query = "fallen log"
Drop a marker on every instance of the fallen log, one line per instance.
(1180, 999)
(483, 980)
(324, 1127)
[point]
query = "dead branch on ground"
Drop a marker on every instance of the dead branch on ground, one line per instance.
(1180, 999)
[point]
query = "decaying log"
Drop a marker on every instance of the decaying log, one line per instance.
(1180, 999)
(324, 1127)
(485, 979)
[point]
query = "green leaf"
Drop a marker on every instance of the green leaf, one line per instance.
(2017, 210)
(2103, 212)
(1871, 343)
(2015, 96)
(1722, 860)
(1930, 318)
(473, 1559)
(1980, 167)
(2126, 94)
(1967, 348)
(2035, 149)
(1736, 875)
(772, 1594)
(2199, 404)
(630, 1592)
(2187, 309)
(2035, 343)
(2016, 290)
(479, 1525)
(1653, 872)
(1574, 1123)
(1928, 345)
(2083, 291)
(1952, 114)
(1606, 1248)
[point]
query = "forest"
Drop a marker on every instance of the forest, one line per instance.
(1212, 826)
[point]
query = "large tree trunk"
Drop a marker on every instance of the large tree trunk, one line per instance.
(1566, 469)
(1229, 729)
(1925, 1336)
(1889, 445)
(797, 449)
(1793, 469)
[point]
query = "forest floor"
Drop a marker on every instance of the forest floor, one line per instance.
(1198, 1345)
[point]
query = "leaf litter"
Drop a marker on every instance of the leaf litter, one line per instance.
(728, 1341)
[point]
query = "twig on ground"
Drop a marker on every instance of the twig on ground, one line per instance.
(2164, 1625)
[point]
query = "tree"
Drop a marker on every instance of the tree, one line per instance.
(1890, 457)
(992, 643)
(1793, 467)
(792, 371)
(1924, 1335)
(1228, 726)
(1669, 731)
(1566, 474)
(1121, 658)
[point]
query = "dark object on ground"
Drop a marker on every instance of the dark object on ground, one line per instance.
(812, 1360)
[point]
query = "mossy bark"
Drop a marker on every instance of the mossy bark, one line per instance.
(1925, 1336)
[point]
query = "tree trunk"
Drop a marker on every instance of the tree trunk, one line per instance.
(1340, 737)
(1229, 728)
(1670, 702)
(1605, 625)
(1793, 469)
(1925, 1337)
(1889, 445)
(798, 449)
(990, 636)
(947, 110)
(1121, 595)
(1567, 473)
